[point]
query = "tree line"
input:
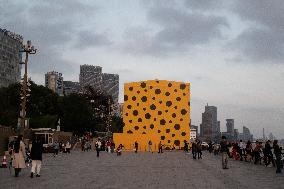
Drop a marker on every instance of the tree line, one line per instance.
(78, 113)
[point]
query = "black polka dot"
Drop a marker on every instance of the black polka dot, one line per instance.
(151, 87)
(175, 90)
(135, 112)
(159, 112)
(144, 127)
(170, 84)
(144, 109)
(145, 90)
(136, 128)
(131, 88)
(157, 82)
(167, 111)
(155, 119)
(139, 120)
(184, 94)
(143, 85)
(168, 130)
(157, 91)
(174, 115)
(167, 94)
(160, 102)
(137, 104)
(129, 106)
(178, 98)
(177, 126)
(177, 142)
(173, 135)
(162, 122)
(126, 114)
(163, 137)
(188, 103)
(129, 132)
(159, 131)
(138, 92)
(130, 121)
(134, 98)
(151, 126)
(153, 107)
(123, 124)
(183, 111)
(144, 99)
(182, 86)
(176, 107)
(169, 141)
(144, 133)
(153, 98)
(147, 116)
(170, 121)
(125, 97)
(181, 119)
(169, 103)
(183, 133)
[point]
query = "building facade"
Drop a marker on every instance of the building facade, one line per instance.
(104, 82)
(10, 57)
(155, 110)
(70, 87)
(54, 81)
(210, 126)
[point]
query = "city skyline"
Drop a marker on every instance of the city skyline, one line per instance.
(231, 52)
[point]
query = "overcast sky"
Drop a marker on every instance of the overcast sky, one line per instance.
(231, 52)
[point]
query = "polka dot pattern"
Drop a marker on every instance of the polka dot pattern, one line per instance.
(157, 107)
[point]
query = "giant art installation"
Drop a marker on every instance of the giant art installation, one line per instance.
(156, 111)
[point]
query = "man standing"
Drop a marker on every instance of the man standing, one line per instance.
(160, 146)
(150, 146)
(136, 146)
(224, 151)
(242, 146)
(277, 152)
(55, 148)
(36, 156)
(98, 147)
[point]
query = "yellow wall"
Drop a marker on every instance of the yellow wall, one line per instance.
(155, 110)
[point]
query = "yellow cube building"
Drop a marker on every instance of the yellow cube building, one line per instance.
(156, 110)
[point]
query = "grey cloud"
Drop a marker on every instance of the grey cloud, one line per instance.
(179, 29)
(52, 26)
(263, 41)
(87, 39)
(205, 4)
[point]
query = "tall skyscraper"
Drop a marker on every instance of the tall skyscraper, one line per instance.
(54, 81)
(104, 82)
(230, 126)
(10, 57)
(210, 126)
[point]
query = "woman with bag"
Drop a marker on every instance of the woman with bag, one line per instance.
(19, 155)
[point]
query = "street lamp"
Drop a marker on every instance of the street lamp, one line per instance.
(28, 49)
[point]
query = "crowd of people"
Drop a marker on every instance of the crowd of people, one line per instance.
(258, 153)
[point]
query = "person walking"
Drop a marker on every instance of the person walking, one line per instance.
(36, 156)
(160, 147)
(136, 146)
(248, 156)
(55, 148)
(119, 150)
(19, 155)
(268, 156)
(185, 147)
(68, 147)
(241, 150)
(150, 146)
(277, 153)
(194, 149)
(199, 149)
(224, 150)
(98, 147)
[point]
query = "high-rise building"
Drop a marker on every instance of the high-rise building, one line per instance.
(104, 82)
(70, 87)
(54, 81)
(230, 126)
(10, 57)
(210, 126)
(155, 110)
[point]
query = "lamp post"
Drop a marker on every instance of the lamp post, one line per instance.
(27, 49)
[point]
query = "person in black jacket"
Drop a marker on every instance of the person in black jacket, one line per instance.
(36, 156)
(277, 152)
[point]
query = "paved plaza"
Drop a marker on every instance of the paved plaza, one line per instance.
(143, 170)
